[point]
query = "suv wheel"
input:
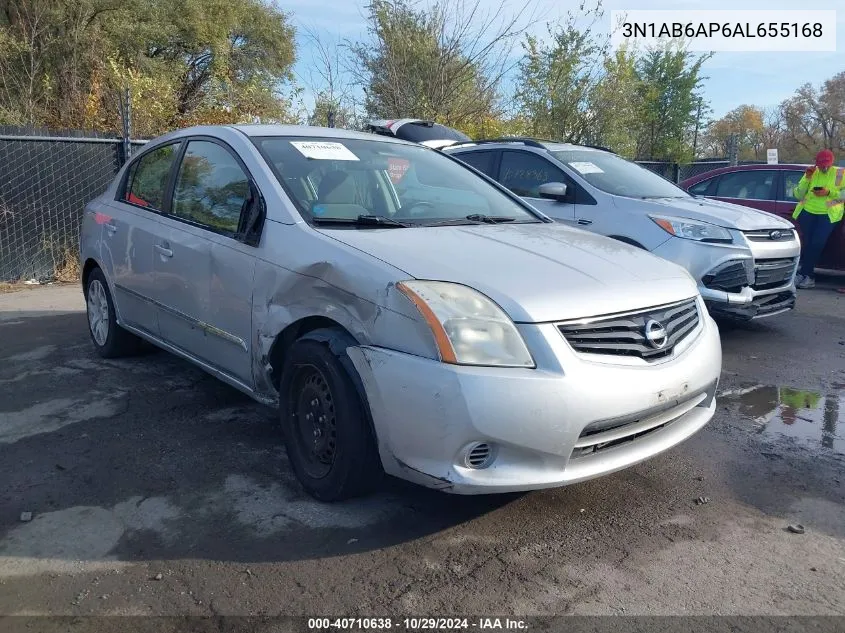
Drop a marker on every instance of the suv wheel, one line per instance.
(326, 429)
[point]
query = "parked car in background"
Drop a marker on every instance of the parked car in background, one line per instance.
(768, 188)
(464, 342)
(419, 131)
(743, 260)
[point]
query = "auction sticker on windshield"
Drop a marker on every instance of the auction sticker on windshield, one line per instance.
(586, 167)
(322, 150)
(396, 168)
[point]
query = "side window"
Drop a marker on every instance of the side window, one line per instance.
(211, 187)
(749, 185)
(482, 161)
(148, 177)
(524, 172)
(790, 181)
(704, 188)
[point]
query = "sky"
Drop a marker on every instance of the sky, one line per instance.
(733, 79)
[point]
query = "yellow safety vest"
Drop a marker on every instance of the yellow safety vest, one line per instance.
(832, 206)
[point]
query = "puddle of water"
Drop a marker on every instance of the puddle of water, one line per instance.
(812, 418)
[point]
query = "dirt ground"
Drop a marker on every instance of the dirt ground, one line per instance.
(154, 489)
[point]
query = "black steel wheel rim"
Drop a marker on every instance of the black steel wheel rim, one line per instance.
(313, 420)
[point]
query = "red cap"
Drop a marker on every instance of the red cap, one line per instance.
(824, 158)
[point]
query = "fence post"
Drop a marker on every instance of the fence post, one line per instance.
(126, 112)
(676, 173)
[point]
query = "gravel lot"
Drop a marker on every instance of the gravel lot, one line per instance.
(155, 489)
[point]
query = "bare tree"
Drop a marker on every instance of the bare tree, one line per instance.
(330, 83)
(445, 61)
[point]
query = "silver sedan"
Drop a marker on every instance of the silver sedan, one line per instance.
(406, 315)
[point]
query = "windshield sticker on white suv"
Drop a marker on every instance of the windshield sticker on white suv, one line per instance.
(586, 167)
(324, 150)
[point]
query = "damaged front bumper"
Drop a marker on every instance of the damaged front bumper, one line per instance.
(751, 278)
(569, 420)
(749, 304)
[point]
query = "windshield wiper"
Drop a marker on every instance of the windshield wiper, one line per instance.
(364, 220)
(489, 219)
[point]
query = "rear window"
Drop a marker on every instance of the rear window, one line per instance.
(482, 161)
(148, 177)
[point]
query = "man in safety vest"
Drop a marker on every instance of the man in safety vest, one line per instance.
(821, 196)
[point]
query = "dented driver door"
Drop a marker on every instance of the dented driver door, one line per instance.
(204, 276)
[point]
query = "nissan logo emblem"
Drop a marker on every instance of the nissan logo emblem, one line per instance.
(775, 235)
(655, 334)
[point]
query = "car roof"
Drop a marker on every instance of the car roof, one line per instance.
(734, 168)
(527, 142)
(257, 130)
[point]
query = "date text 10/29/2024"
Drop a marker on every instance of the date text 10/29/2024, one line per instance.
(415, 624)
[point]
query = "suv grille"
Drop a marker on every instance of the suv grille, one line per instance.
(731, 277)
(771, 235)
(649, 334)
(772, 273)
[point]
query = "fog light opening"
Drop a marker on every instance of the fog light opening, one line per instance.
(479, 455)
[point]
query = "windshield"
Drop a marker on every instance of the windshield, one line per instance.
(617, 176)
(343, 179)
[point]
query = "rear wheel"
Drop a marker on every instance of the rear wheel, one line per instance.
(327, 433)
(110, 340)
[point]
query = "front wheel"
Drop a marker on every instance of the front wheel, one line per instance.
(110, 340)
(329, 443)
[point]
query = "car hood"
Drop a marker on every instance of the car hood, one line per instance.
(535, 272)
(730, 216)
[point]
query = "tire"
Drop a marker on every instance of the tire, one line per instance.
(325, 421)
(110, 340)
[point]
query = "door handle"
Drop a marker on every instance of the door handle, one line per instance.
(111, 228)
(164, 251)
(584, 222)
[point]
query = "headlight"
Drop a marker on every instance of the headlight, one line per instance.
(468, 327)
(692, 229)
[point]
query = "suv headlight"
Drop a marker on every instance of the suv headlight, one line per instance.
(692, 229)
(468, 327)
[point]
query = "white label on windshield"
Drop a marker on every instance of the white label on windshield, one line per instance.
(586, 167)
(321, 150)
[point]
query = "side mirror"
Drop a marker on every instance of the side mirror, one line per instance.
(553, 191)
(252, 219)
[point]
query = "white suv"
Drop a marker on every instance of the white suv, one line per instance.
(743, 259)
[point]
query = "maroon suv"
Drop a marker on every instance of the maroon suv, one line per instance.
(768, 188)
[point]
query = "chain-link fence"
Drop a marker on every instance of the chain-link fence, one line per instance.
(46, 179)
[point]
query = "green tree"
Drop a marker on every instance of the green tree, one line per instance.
(558, 78)
(615, 104)
(670, 93)
(63, 62)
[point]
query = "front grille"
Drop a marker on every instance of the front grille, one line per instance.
(730, 277)
(771, 235)
(772, 273)
(625, 334)
(771, 304)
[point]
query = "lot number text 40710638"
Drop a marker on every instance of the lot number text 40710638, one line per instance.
(416, 624)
